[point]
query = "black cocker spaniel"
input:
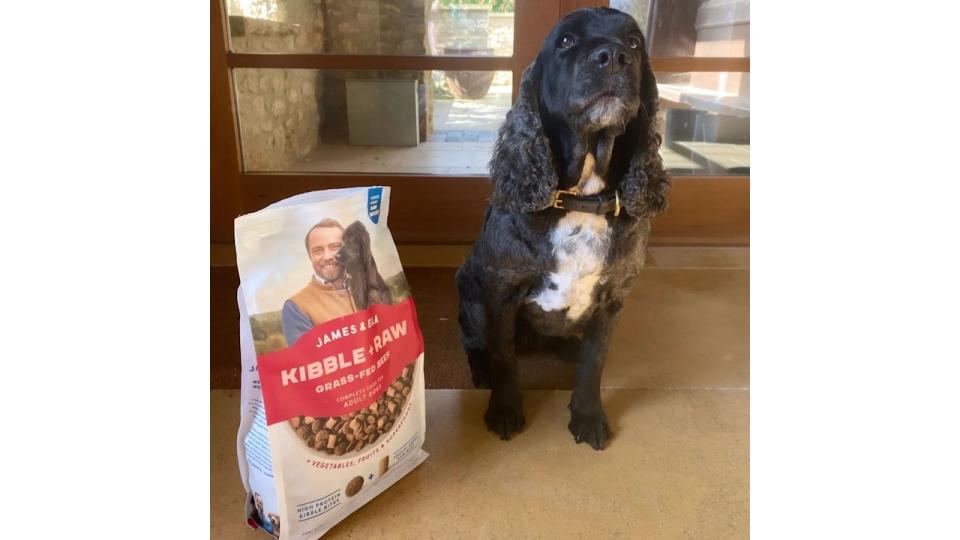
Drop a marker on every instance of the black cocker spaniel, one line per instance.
(577, 177)
(365, 282)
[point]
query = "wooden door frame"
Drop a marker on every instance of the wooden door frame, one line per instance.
(226, 195)
(429, 209)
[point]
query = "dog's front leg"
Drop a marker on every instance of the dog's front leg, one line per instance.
(504, 414)
(588, 422)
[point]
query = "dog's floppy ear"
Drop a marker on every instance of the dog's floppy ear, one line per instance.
(378, 292)
(359, 239)
(522, 167)
(356, 231)
(366, 255)
(645, 184)
(374, 289)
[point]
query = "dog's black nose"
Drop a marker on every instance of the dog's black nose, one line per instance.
(611, 57)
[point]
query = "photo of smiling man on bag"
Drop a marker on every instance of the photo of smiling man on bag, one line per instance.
(327, 295)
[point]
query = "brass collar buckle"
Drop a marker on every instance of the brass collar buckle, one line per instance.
(593, 205)
(557, 202)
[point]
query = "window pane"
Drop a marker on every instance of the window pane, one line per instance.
(692, 27)
(402, 122)
(704, 119)
(435, 122)
(402, 27)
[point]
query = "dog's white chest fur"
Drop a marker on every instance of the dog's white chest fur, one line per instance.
(580, 245)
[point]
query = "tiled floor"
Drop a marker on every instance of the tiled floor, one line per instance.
(677, 395)
(451, 158)
(474, 114)
(721, 157)
(685, 325)
(458, 153)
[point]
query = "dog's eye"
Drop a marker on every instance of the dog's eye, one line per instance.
(633, 42)
(567, 41)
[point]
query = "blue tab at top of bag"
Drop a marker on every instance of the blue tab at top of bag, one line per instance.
(373, 203)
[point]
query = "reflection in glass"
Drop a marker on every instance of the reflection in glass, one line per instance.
(395, 27)
(445, 122)
(705, 122)
(401, 122)
(692, 27)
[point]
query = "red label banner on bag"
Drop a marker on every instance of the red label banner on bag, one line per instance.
(342, 365)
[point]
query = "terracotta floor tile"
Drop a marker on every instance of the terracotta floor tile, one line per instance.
(677, 468)
(698, 257)
(680, 328)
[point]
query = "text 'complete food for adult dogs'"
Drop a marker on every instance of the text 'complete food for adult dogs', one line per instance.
(332, 409)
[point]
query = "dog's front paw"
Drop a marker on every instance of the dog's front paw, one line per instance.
(592, 429)
(504, 419)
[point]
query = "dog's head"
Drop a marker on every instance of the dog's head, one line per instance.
(355, 253)
(590, 71)
(366, 283)
(591, 90)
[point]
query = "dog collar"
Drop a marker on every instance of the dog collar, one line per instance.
(591, 204)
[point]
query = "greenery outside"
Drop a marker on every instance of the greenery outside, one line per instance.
(496, 6)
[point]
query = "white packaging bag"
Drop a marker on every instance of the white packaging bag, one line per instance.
(332, 400)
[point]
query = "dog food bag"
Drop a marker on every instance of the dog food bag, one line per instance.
(332, 409)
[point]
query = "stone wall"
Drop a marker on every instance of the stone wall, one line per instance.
(285, 114)
(501, 34)
(471, 28)
(375, 26)
(279, 117)
(636, 8)
(301, 28)
(372, 27)
(461, 28)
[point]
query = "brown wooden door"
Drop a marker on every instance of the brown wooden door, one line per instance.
(443, 208)
(426, 208)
